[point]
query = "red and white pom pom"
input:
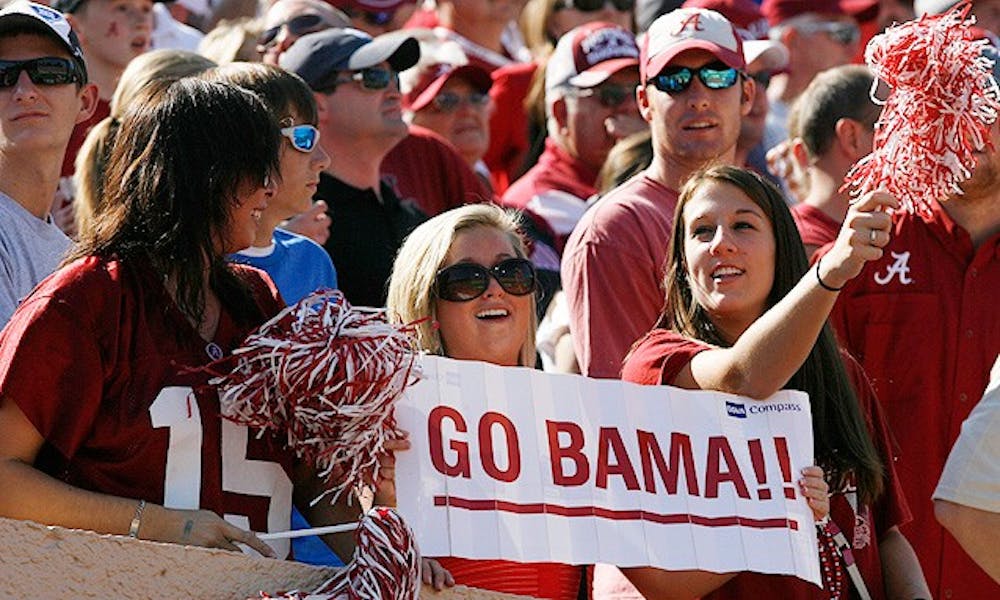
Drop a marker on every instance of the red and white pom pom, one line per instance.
(385, 566)
(327, 375)
(938, 113)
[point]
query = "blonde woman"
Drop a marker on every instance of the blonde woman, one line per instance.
(467, 270)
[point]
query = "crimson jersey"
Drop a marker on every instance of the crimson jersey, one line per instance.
(923, 321)
(99, 359)
(660, 356)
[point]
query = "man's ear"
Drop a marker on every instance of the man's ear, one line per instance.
(642, 101)
(88, 102)
(747, 93)
(848, 132)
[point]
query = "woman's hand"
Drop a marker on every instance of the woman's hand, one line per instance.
(816, 491)
(434, 574)
(197, 528)
(385, 491)
(864, 233)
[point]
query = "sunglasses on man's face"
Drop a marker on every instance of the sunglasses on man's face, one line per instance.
(50, 70)
(467, 281)
(610, 95)
(373, 78)
(298, 26)
(302, 137)
(842, 32)
(714, 76)
(447, 102)
(595, 5)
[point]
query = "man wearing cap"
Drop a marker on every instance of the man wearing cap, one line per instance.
(45, 94)
(764, 57)
(819, 35)
(612, 266)
(355, 80)
(590, 82)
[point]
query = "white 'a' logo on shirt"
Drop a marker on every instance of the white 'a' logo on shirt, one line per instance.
(900, 268)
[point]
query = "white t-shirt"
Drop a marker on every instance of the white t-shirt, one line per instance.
(30, 250)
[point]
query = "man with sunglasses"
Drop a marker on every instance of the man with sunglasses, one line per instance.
(590, 82)
(693, 94)
(355, 79)
(43, 94)
(819, 35)
(288, 20)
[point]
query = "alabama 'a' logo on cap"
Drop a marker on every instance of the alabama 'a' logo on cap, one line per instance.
(693, 21)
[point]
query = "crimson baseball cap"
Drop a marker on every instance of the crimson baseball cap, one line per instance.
(24, 15)
(688, 29)
(432, 79)
(779, 11)
(317, 57)
(587, 55)
(752, 26)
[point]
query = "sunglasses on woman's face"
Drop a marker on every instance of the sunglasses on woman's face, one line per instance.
(49, 70)
(467, 281)
(298, 26)
(447, 102)
(302, 137)
(595, 5)
(714, 76)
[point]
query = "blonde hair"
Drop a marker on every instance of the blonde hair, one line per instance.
(411, 287)
(153, 66)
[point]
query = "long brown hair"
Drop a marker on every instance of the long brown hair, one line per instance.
(843, 444)
(181, 153)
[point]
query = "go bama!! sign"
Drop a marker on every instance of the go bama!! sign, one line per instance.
(516, 464)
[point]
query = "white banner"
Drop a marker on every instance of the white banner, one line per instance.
(517, 464)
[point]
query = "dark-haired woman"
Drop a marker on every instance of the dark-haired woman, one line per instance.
(746, 315)
(105, 422)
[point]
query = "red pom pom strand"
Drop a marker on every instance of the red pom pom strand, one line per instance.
(326, 375)
(938, 113)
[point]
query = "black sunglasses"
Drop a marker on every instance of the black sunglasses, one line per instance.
(715, 76)
(610, 95)
(467, 281)
(49, 70)
(763, 78)
(595, 5)
(372, 78)
(299, 25)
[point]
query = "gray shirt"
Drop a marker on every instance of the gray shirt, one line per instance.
(30, 249)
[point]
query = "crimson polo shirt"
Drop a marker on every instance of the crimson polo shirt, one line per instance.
(553, 193)
(924, 323)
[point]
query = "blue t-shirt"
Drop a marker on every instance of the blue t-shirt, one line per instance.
(296, 264)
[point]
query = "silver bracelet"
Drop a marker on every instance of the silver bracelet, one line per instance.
(133, 528)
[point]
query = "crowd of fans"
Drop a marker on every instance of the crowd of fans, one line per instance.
(637, 189)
